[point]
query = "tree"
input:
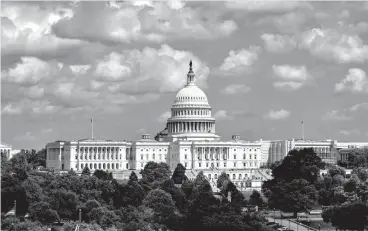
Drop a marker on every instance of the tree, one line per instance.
(256, 199)
(179, 174)
(103, 175)
(42, 211)
(293, 187)
(349, 216)
(358, 158)
(86, 171)
(291, 197)
(162, 204)
(155, 172)
(299, 164)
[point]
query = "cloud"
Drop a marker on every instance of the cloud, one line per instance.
(335, 115)
(240, 61)
(264, 6)
(164, 116)
(355, 81)
(291, 77)
(333, 44)
(349, 132)
(222, 115)
(341, 45)
(153, 22)
(358, 107)
(27, 137)
(26, 29)
(46, 130)
(277, 115)
(107, 84)
(233, 89)
(278, 43)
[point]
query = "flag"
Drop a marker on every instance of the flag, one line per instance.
(11, 212)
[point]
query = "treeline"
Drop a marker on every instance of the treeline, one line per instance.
(158, 201)
(298, 187)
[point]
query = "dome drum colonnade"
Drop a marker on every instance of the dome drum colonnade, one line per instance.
(191, 112)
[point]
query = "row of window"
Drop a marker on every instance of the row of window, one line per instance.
(245, 164)
(240, 176)
(154, 149)
(190, 112)
(100, 149)
(101, 166)
(224, 156)
(98, 156)
(153, 156)
(217, 149)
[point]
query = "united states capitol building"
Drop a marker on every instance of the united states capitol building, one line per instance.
(189, 138)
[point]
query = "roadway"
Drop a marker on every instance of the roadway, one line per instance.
(292, 225)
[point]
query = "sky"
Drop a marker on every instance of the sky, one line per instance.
(265, 67)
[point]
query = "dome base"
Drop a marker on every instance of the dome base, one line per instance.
(192, 137)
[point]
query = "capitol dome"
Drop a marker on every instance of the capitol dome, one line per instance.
(191, 113)
(191, 94)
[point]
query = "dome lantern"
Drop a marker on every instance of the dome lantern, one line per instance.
(190, 75)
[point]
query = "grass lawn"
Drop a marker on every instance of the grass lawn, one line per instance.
(315, 224)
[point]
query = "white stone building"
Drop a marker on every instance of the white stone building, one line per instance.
(189, 138)
(8, 150)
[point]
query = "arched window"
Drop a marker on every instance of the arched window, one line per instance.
(240, 176)
(209, 176)
(127, 166)
(108, 166)
(112, 166)
(215, 176)
(244, 156)
(90, 166)
(234, 177)
(104, 166)
(82, 166)
(117, 166)
(95, 166)
(153, 156)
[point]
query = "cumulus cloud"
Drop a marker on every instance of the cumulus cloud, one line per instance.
(334, 44)
(358, 107)
(265, 6)
(342, 45)
(335, 115)
(119, 78)
(278, 43)
(277, 115)
(222, 115)
(164, 116)
(26, 29)
(355, 81)
(152, 22)
(27, 137)
(349, 132)
(290, 77)
(240, 61)
(234, 89)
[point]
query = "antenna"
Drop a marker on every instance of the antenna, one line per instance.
(303, 130)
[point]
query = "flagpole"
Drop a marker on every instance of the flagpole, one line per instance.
(303, 130)
(92, 127)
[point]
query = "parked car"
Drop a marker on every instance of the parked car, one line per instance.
(283, 228)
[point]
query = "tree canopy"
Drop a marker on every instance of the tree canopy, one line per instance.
(151, 203)
(293, 187)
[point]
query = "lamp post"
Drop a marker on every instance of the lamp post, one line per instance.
(289, 222)
(80, 216)
(274, 215)
(319, 227)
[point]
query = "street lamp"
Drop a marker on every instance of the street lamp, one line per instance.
(319, 227)
(274, 215)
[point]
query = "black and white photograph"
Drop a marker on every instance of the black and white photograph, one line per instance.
(183, 115)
